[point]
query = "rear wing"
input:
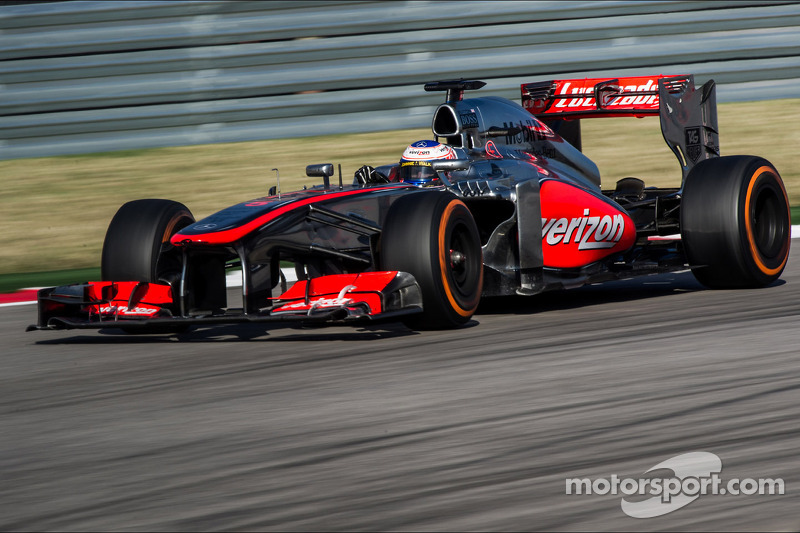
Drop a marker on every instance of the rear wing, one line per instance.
(688, 116)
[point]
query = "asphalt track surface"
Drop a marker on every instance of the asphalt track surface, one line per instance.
(252, 427)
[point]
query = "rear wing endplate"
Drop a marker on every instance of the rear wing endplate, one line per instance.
(688, 116)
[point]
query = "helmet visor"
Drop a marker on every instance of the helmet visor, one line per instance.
(417, 172)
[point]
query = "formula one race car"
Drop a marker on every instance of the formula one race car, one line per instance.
(502, 202)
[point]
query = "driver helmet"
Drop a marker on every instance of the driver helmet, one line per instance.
(416, 163)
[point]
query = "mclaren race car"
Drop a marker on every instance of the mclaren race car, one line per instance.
(515, 207)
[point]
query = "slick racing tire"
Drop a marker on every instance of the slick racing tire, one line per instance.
(432, 235)
(735, 222)
(137, 247)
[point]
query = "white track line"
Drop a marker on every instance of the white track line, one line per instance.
(16, 303)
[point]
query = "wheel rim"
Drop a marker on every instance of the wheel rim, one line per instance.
(463, 272)
(768, 223)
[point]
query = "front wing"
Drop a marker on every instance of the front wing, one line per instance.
(335, 299)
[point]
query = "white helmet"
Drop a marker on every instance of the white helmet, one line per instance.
(416, 163)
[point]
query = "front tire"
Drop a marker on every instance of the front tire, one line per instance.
(137, 247)
(735, 222)
(432, 235)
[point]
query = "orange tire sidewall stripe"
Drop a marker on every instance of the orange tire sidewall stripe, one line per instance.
(748, 225)
(444, 260)
(168, 230)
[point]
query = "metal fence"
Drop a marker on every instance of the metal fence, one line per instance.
(80, 77)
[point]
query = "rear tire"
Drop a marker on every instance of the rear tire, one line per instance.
(735, 222)
(432, 235)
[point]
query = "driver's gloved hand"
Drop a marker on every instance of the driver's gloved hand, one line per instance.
(366, 175)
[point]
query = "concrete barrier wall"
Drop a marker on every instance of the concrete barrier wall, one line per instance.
(82, 77)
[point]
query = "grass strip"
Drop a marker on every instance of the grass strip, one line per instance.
(13, 282)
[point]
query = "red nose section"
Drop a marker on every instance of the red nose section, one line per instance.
(579, 228)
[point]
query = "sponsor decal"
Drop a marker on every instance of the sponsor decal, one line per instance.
(543, 152)
(492, 152)
(317, 303)
(531, 130)
(627, 94)
(427, 150)
(419, 153)
(469, 120)
(582, 96)
(579, 228)
(693, 147)
(123, 310)
(588, 232)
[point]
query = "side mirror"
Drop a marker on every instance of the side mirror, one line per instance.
(450, 164)
(320, 171)
(324, 171)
